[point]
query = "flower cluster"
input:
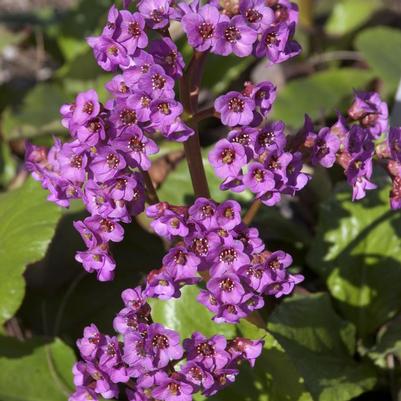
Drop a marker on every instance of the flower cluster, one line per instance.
(229, 255)
(351, 142)
(255, 155)
(150, 362)
(247, 27)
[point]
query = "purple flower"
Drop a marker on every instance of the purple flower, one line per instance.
(181, 264)
(265, 95)
(173, 388)
(210, 352)
(203, 211)
(108, 53)
(161, 285)
(136, 146)
(83, 394)
(227, 159)
(132, 34)
(200, 26)
(257, 14)
(275, 44)
(371, 112)
(271, 137)
(72, 164)
(222, 378)
(394, 143)
(196, 374)
(107, 164)
(163, 344)
(246, 349)
(166, 54)
(89, 345)
(235, 109)
(156, 12)
(135, 355)
(106, 229)
(228, 215)
(234, 36)
(156, 82)
(227, 288)
(164, 111)
(395, 194)
(86, 107)
(97, 260)
(325, 148)
(170, 224)
(258, 179)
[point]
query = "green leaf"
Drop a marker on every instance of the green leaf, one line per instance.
(220, 73)
(76, 298)
(9, 38)
(186, 315)
(8, 165)
(321, 346)
(27, 224)
(177, 188)
(274, 377)
(35, 370)
(318, 94)
(388, 342)
(357, 250)
(381, 47)
(37, 115)
(347, 15)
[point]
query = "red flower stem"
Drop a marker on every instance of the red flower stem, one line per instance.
(189, 92)
(151, 193)
(252, 211)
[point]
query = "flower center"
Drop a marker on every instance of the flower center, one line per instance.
(113, 50)
(107, 225)
(94, 126)
(207, 211)
(145, 101)
(200, 246)
(128, 117)
(274, 264)
(134, 29)
(226, 285)
(253, 15)
(232, 34)
(227, 156)
(228, 255)
(236, 105)
(76, 161)
(242, 139)
(164, 108)
(135, 144)
(229, 213)
(258, 175)
(266, 138)
(271, 39)
(160, 341)
(157, 15)
(206, 30)
(174, 388)
(88, 108)
(112, 160)
(158, 81)
(180, 258)
(205, 349)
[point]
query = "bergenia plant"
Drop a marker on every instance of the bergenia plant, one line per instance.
(106, 165)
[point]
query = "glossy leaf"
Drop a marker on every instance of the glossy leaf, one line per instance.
(317, 95)
(35, 370)
(381, 47)
(27, 224)
(186, 315)
(8, 165)
(357, 250)
(274, 377)
(37, 115)
(321, 346)
(347, 15)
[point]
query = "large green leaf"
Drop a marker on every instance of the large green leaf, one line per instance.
(357, 249)
(318, 94)
(348, 15)
(27, 224)
(35, 370)
(321, 346)
(381, 47)
(37, 115)
(8, 165)
(66, 299)
(186, 315)
(274, 377)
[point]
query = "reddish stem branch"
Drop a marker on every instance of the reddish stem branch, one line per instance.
(252, 211)
(189, 91)
(151, 193)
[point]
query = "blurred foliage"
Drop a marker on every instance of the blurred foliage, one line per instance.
(331, 343)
